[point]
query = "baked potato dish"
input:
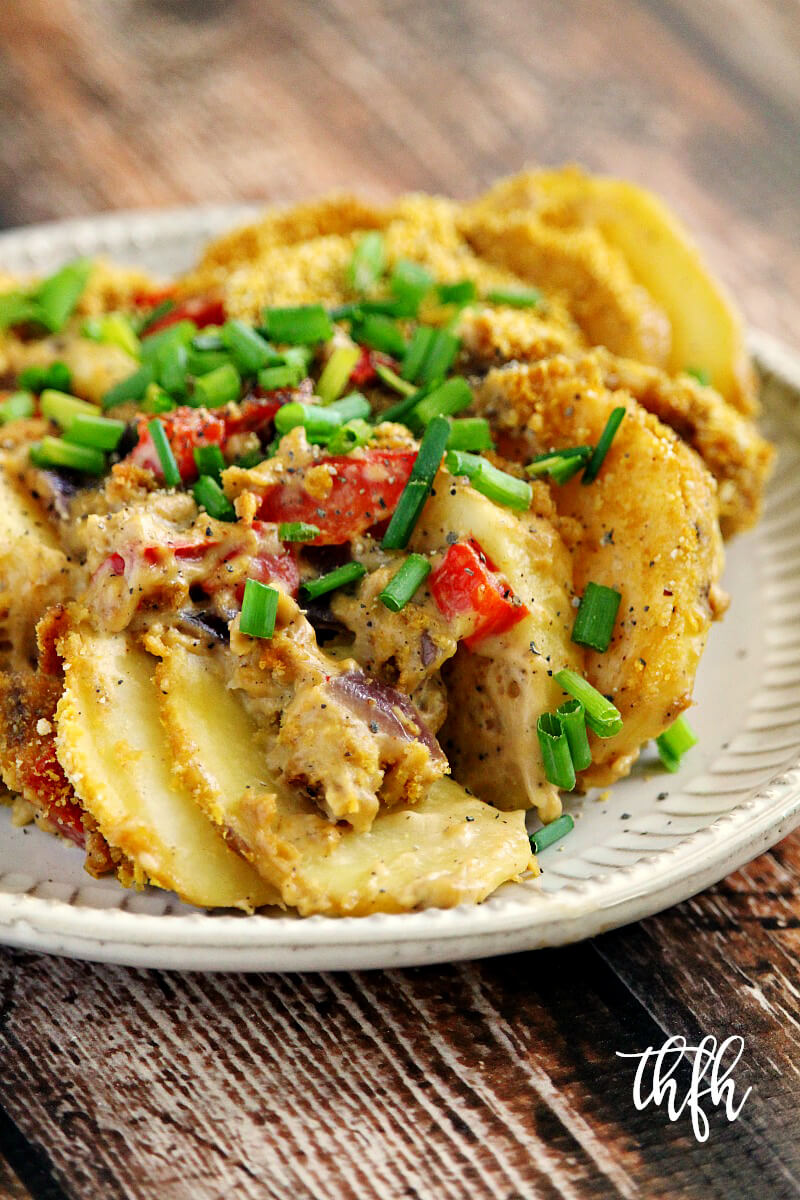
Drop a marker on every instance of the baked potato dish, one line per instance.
(328, 562)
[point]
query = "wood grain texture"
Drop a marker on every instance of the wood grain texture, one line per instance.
(497, 1079)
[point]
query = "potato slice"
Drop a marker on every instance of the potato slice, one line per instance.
(498, 691)
(447, 849)
(114, 750)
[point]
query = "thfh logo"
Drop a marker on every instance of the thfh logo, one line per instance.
(708, 1064)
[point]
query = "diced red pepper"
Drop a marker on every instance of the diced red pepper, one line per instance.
(185, 428)
(364, 373)
(203, 310)
(363, 492)
(256, 411)
(273, 568)
(466, 582)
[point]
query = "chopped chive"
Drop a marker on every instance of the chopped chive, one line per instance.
(350, 436)
(305, 324)
(249, 351)
(353, 407)
(368, 262)
(155, 344)
(113, 329)
(597, 612)
(381, 333)
(336, 373)
(259, 609)
(573, 720)
(410, 283)
(203, 362)
(61, 408)
(418, 488)
(155, 314)
(470, 433)
(556, 757)
(130, 389)
(352, 311)
(417, 351)
(297, 531)
(102, 433)
(515, 297)
(405, 582)
(674, 742)
(16, 407)
(156, 400)
(601, 715)
(207, 341)
(440, 357)
(559, 465)
(553, 832)
(299, 357)
(318, 422)
(16, 309)
(462, 292)
(169, 467)
(403, 409)
(287, 375)
(171, 365)
(219, 387)
(700, 374)
(601, 449)
(490, 481)
(210, 461)
(340, 577)
(56, 296)
(393, 380)
(209, 495)
(53, 452)
(36, 379)
(444, 401)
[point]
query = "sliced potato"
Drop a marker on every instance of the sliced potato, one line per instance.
(447, 849)
(498, 691)
(114, 750)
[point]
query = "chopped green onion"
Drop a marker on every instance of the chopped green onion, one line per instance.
(403, 409)
(251, 459)
(353, 407)
(601, 449)
(573, 721)
(515, 297)
(179, 334)
(210, 496)
(381, 333)
(393, 380)
(299, 357)
(560, 465)
(288, 375)
(203, 362)
(16, 309)
(556, 757)
(61, 408)
(306, 324)
(207, 341)
(440, 357)
(156, 400)
(490, 481)
(597, 612)
(462, 292)
(169, 467)
(155, 314)
(340, 577)
(16, 407)
(350, 436)
(405, 582)
(297, 531)
(674, 742)
(171, 365)
(217, 388)
(102, 433)
(368, 262)
(56, 296)
(209, 460)
(601, 715)
(53, 452)
(318, 422)
(553, 832)
(113, 329)
(444, 401)
(410, 283)
(36, 379)
(700, 374)
(336, 373)
(418, 488)
(470, 433)
(249, 351)
(130, 389)
(259, 609)
(417, 351)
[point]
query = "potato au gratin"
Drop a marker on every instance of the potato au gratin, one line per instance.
(327, 562)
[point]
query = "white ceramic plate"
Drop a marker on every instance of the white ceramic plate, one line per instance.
(653, 841)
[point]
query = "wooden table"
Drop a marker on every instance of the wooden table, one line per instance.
(498, 1078)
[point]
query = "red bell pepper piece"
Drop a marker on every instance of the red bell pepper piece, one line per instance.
(185, 428)
(466, 582)
(203, 310)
